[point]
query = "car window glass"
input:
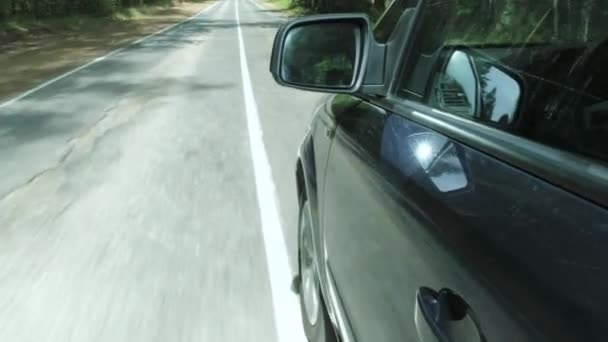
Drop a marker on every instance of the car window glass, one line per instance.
(534, 68)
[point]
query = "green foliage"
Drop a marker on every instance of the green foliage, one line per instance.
(517, 21)
(38, 9)
(303, 7)
(333, 70)
(107, 7)
(5, 8)
(320, 56)
(529, 20)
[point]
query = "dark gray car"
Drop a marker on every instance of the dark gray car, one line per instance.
(456, 188)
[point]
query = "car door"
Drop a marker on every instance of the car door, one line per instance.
(457, 207)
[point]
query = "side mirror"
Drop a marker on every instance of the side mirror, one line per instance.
(326, 53)
(471, 85)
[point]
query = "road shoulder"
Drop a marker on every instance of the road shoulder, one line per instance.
(32, 60)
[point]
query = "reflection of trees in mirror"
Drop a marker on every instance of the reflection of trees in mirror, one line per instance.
(500, 92)
(333, 71)
(320, 55)
(488, 99)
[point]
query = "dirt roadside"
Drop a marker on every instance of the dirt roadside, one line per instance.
(34, 59)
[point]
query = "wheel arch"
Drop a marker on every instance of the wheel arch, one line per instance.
(306, 182)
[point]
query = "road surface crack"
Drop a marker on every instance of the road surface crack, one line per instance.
(84, 143)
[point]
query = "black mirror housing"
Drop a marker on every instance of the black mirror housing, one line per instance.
(334, 53)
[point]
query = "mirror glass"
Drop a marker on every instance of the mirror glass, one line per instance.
(458, 88)
(321, 55)
(500, 93)
(472, 85)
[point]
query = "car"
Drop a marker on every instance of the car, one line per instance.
(454, 184)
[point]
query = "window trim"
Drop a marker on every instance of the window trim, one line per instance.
(384, 16)
(583, 177)
(405, 55)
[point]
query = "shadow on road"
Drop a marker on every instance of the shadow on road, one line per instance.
(29, 126)
(80, 99)
(30, 123)
(273, 10)
(203, 23)
(193, 33)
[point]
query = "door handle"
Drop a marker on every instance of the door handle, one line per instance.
(445, 317)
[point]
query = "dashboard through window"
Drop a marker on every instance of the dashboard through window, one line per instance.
(534, 68)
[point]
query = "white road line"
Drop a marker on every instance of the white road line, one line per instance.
(285, 303)
(99, 59)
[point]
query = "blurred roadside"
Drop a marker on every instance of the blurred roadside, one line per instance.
(36, 50)
(305, 7)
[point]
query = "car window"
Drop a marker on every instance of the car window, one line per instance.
(533, 68)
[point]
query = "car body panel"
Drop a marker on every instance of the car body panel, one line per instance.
(397, 216)
(310, 171)
(410, 198)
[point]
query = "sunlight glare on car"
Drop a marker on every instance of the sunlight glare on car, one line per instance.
(424, 152)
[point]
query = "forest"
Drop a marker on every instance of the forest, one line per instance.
(537, 20)
(569, 15)
(52, 8)
(40, 9)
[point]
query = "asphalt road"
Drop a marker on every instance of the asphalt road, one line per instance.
(136, 201)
